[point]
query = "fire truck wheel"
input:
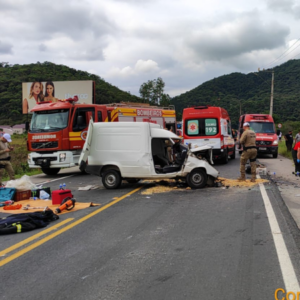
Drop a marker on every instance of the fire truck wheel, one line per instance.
(111, 179)
(50, 171)
(197, 179)
(132, 180)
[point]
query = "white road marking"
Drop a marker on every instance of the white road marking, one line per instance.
(287, 269)
(60, 178)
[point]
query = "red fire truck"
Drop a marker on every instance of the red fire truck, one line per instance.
(58, 130)
(264, 127)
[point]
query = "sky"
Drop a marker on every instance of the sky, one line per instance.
(128, 42)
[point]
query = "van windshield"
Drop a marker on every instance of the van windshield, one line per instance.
(202, 127)
(262, 127)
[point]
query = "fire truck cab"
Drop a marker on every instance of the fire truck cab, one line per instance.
(58, 130)
(264, 127)
(209, 125)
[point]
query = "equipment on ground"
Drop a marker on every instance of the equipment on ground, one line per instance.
(68, 204)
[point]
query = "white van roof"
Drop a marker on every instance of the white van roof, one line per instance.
(163, 133)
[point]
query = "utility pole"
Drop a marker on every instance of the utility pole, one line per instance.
(272, 94)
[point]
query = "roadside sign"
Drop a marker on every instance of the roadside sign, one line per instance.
(279, 125)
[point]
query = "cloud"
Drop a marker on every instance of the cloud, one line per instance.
(145, 66)
(5, 48)
(245, 34)
(42, 47)
(186, 42)
(141, 67)
(50, 25)
(280, 5)
(287, 6)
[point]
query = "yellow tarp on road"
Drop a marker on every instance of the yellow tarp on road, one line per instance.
(42, 204)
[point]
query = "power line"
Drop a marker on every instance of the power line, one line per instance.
(269, 64)
(290, 52)
(295, 56)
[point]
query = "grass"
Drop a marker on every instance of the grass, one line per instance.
(19, 158)
(282, 150)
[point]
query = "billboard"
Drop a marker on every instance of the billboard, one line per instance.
(52, 91)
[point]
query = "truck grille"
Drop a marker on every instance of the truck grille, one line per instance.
(263, 143)
(44, 145)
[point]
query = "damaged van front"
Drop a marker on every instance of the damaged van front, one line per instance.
(134, 151)
(199, 160)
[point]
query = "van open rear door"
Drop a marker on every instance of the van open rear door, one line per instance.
(86, 147)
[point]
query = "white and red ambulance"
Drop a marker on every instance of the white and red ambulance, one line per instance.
(209, 125)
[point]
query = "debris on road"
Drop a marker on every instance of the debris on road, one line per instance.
(164, 186)
(88, 187)
(235, 183)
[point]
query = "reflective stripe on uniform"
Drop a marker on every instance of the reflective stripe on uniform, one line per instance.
(19, 227)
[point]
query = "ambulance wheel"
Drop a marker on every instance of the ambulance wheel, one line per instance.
(132, 180)
(50, 171)
(225, 159)
(111, 179)
(232, 156)
(197, 179)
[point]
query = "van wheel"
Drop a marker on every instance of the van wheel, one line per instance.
(197, 179)
(111, 179)
(132, 180)
(50, 171)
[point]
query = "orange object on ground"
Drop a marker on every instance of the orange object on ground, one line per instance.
(68, 204)
(12, 207)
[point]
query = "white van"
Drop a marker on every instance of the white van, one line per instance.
(136, 150)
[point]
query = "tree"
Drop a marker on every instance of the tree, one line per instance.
(152, 92)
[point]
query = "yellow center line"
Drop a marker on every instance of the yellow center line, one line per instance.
(51, 236)
(22, 243)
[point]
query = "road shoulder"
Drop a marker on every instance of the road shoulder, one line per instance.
(280, 171)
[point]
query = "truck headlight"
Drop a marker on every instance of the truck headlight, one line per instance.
(62, 157)
(275, 142)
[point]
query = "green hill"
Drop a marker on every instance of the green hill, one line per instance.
(12, 76)
(253, 90)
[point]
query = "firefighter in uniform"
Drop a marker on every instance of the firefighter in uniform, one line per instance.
(248, 140)
(5, 157)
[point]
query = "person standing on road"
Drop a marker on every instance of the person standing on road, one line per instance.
(5, 157)
(248, 140)
(297, 138)
(234, 134)
(279, 136)
(296, 158)
(289, 140)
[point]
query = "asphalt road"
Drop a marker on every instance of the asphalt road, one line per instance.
(212, 243)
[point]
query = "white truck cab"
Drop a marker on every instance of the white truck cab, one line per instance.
(134, 151)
